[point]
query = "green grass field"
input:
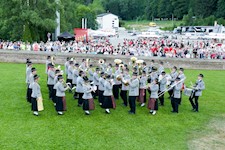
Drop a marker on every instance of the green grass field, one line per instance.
(144, 24)
(119, 130)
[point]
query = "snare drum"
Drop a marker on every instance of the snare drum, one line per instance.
(188, 91)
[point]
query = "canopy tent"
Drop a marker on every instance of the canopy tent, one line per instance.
(66, 36)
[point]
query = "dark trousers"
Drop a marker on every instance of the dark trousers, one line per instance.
(54, 96)
(75, 93)
(29, 92)
(59, 103)
(132, 103)
(100, 96)
(123, 95)
(174, 103)
(170, 92)
(34, 104)
(116, 91)
(161, 99)
(194, 103)
(85, 104)
(50, 91)
(80, 99)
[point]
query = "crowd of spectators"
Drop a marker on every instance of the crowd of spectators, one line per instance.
(201, 49)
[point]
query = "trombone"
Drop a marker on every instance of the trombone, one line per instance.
(170, 87)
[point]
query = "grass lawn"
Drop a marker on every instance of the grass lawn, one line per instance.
(144, 24)
(119, 130)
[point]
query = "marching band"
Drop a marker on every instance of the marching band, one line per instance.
(108, 84)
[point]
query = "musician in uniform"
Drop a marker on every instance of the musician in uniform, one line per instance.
(57, 73)
(162, 87)
(31, 80)
(96, 81)
(75, 76)
(109, 69)
(28, 73)
(182, 77)
(60, 95)
(50, 82)
(48, 61)
(79, 88)
(66, 65)
(197, 91)
(133, 92)
(70, 72)
(36, 93)
(145, 68)
(101, 88)
(90, 72)
(177, 86)
(109, 101)
(173, 75)
(161, 68)
(88, 101)
(125, 86)
(142, 89)
(153, 100)
(117, 84)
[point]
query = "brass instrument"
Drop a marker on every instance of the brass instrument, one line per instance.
(118, 61)
(133, 60)
(66, 85)
(170, 87)
(121, 66)
(101, 61)
(119, 77)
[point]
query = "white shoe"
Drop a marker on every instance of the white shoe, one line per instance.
(154, 112)
(100, 104)
(54, 104)
(143, 104)
(60, 113)
(107, 111)
(87, 112)
(35, 113)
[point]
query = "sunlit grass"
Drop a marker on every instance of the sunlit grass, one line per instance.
(119, 130)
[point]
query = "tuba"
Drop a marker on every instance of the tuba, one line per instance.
(133, 60)
(118, 61)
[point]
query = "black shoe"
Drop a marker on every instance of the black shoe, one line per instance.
(132, 113)
(196, 111)
(193, 109)
(174, 112)
(79, 105)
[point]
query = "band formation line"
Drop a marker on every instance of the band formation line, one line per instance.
(107, 82)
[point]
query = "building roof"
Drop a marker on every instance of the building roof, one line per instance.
(104, 14)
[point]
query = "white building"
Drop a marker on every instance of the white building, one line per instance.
(107, 21)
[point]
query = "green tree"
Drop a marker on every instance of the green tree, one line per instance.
(220, 9)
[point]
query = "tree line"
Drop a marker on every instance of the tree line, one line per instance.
(31, 20)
